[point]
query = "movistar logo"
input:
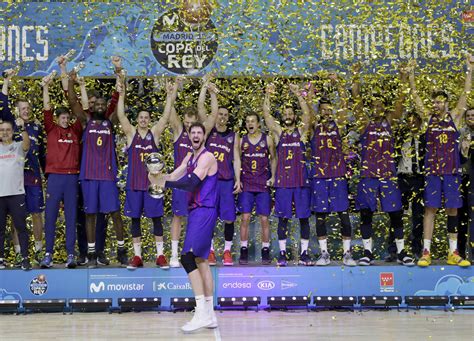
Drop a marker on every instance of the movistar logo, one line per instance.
(95, 288)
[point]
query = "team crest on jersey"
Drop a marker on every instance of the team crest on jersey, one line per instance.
(214, 134)
(230, 139)
(104, 123)
(246, 145)
(262, 144)
(148, 137)
(35, 127)
(384, 124)
(185, 134)
(295, 134)
(68, 134)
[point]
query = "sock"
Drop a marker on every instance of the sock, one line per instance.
(200, 302)
(282, 244)
(38, 245)
(304, 245)
(453, 245)
(244, 243)
(120, 244)
(209, 302)
(174, 248)
(265, 244)
(90, 247)
(227, 245)
(427, 244)
(323, 245)
(137, 248)
(367, 244)
(17, 248)
(212, 244)
(346, 245)
(159, 248)
(400, 245)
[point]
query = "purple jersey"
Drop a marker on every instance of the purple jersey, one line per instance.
(442, 147)
(34, 155)
(326, 151)
(291, 170)
(222, 146)
(255, 164)
(140, 148)
(99, 161)
(182, 147)
(206, 194)
(378, 151)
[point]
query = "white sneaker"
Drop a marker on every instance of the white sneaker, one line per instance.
(348, 260)
(324, 259)
(174, 262)
(201, 319)
(213, 316)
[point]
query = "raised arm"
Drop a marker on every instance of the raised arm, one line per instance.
(273, 160)
(84, 97)
(462, 102)
(237, 163)
(419, 106)
(127, 128)
(62, 62)
(201, 105)
(306, 117)
(397, 112)
(270, 122)
(76, 107)
(210, 121)
(24, 134)
(5, 111)
(171, 93)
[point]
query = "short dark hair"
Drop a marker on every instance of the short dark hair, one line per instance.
(197, 124)
(93, 93)
(440, 93)
(22, 99)
(190, 112)
(323, 100)
(252, 113)
(61, 110)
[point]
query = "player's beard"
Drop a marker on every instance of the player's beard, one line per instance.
(97, 115)
(289, 122)
(199, 145)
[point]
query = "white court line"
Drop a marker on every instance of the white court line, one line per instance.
(217, 334)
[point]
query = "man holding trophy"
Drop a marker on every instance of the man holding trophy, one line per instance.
(196, 175)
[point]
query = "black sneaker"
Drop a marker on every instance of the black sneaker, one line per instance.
(404, 259)
(102, 259)
(122, 256)
(368, 258)
(82, 259)
(92, 264)
(38, 257)
(266, 256)
(305, 259)
(3, 265)
(391, 257)
(18, 260)
(244, 256)
(282, 260)
(25, 264)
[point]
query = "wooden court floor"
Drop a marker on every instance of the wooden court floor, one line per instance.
(245, 326)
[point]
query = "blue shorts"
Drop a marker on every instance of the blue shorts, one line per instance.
(369, 189)
(179, 202)
(285, 197)
(329, 195)
(100, 196)
(226, 200)
(199, 231)
(439, 187)
(139, 202)
(34, 199)
(262, 201)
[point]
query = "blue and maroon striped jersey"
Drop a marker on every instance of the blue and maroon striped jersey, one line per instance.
(378, 151)
(99, 160)
(222, 146)
(182, 147)
(291, 169)
(206, 194)
(255, 164)
(326, 151)
(442, 147)
(140, 148)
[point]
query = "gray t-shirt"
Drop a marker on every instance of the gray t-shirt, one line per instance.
(12, 164)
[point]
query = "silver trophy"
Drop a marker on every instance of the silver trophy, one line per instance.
(155, 164)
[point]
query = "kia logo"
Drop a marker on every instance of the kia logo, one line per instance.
(266, 285)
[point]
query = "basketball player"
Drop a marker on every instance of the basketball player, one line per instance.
(256, 176)
(329, 186)
(442, 164)
(98, 172)
(182, 147)
(292, 186)
(378, 173)
(141, 142)
(62, 166)
(223, 143)
(197, 175)
(34, 164)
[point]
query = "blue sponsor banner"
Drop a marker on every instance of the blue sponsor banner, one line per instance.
(264, 282)
(231, 38)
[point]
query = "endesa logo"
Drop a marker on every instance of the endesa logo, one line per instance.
(99, 287)
(237, 285)
(266, 285)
